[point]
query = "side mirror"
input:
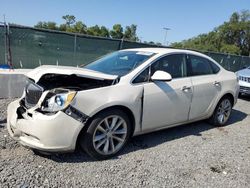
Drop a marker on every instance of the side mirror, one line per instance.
(161, 76)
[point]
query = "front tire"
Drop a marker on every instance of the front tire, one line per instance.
(106, 134)
(222, 112)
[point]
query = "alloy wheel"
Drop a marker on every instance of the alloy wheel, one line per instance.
(224, 111)
(110, 135)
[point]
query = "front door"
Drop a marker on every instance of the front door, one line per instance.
(167, 103)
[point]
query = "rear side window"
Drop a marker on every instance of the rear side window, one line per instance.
(199, 66)
(215, 67)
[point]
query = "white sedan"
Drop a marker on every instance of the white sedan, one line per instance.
(123, 94)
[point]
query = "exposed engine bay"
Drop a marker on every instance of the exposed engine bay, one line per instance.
(58, 89)
(72, 82)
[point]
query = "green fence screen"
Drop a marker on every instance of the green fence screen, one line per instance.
(2, 45)
(31, 47)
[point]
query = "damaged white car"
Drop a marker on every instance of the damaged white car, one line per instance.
(126, 93)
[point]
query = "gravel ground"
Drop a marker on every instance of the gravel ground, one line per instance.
(193, 155)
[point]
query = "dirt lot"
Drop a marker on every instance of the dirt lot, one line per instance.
(193, 155)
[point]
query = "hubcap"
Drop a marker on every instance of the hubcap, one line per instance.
(224, 111)
(110, 135)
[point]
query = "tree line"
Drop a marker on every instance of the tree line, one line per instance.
(233, 36)
(72, 25)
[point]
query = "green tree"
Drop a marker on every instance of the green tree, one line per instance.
(104, 32)
(69, 19)
(46, 25)
(94, 30)
(52, 25)
(68, 25)
(130, 33)
(231, 49)
(39, 25)
(98, 31)
(63, 27)
(232, 36)
(80, 27)
(117, 31)
(72, 25)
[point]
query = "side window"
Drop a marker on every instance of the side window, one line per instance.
(215, 67)
(173, 64)
(142, 77)
(199, 66)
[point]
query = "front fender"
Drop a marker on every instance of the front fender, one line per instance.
(90, 102)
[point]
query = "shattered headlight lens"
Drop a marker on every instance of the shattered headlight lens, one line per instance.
(59, 102)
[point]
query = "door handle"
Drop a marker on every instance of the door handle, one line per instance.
(217, 83)
(186, 88)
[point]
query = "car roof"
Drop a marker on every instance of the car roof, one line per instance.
(164, 50)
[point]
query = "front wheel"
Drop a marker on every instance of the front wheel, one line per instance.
(107, 134)
(222, 112)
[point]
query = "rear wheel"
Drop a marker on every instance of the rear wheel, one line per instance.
(107, 134)
(222, 112)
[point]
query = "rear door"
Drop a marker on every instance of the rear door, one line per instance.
(206, 86)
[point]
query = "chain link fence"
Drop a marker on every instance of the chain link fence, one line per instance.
(229, 61)
(30, 47)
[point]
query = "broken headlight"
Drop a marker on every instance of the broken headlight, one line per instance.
(58, 102)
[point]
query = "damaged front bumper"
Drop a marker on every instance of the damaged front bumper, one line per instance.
(51, 133)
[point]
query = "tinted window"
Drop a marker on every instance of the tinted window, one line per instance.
(199, 66)
(142, 77)
(173, 64)
(215, 68)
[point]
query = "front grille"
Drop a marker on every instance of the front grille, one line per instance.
(244, 89)
(245, 79)
(33, 92)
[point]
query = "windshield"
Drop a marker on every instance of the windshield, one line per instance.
(119, 63)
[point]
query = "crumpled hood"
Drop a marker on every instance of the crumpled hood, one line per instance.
(37, 73)
(244, 72)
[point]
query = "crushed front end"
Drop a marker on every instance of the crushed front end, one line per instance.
(54, 131)
(43, 118)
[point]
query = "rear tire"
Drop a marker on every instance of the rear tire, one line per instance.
(107, 134)
(222, 112)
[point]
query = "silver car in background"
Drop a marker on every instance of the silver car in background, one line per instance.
(244, 80)
(124, 94)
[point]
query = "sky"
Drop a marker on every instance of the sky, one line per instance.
(186, 19)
